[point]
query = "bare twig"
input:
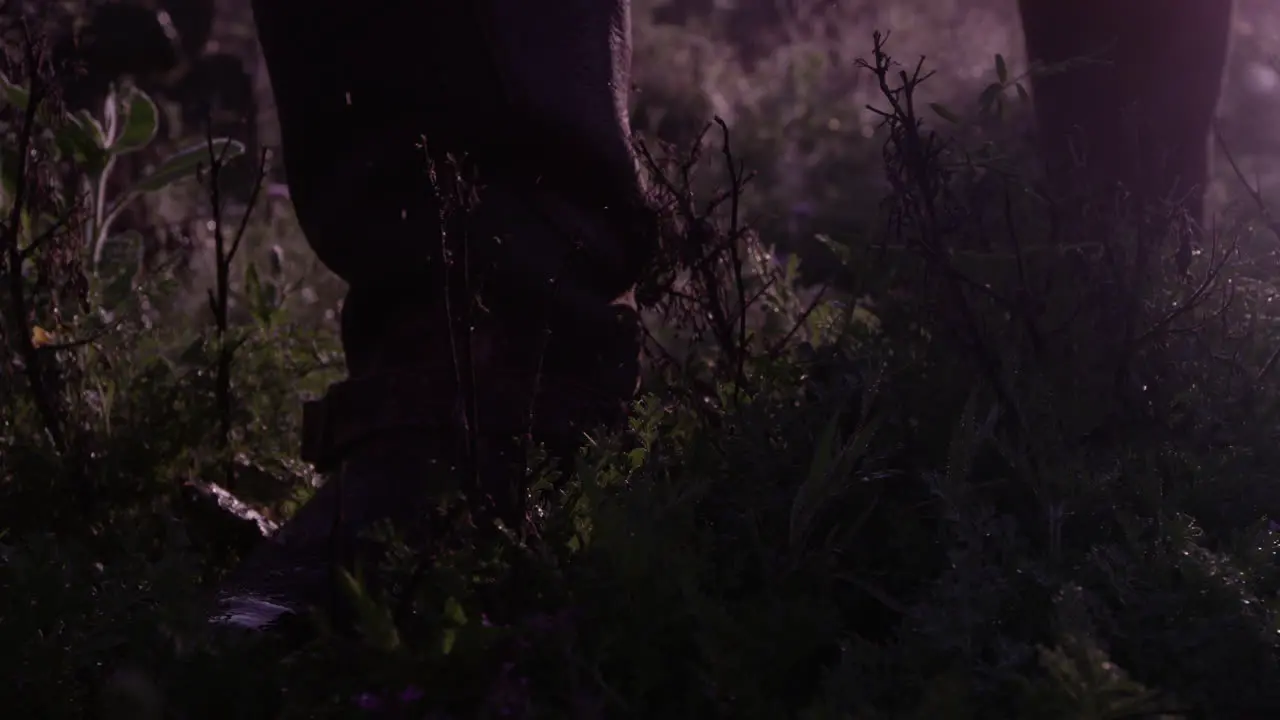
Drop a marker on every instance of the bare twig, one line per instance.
(220, 295)
(735, 194)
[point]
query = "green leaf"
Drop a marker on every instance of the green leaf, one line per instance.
(15, 95)
(944, 113)
(454, 613)
(82, 142)
(455, 618)
(637, 457)
(91, 126)
(140, 123)
(194, 356)
(828, 475)
(373, 620)
(842, 251)
(186, 162)
(1002, 70)
(252, 285)
(1023, 95)
(10, 166)
(119, 289)
(120, 251)
(989, 94)
(259, 296)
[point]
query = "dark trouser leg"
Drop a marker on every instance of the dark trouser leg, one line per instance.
(1141, 115)
(461, 334)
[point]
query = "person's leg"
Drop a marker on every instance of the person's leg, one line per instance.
(462, 334)
(1138, 107)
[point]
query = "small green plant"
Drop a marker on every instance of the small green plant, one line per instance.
(92, 144)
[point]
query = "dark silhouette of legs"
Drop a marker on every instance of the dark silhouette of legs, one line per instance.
(479, 314)
(1138, 109)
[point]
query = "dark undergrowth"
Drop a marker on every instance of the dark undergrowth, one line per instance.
(1014, 461)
